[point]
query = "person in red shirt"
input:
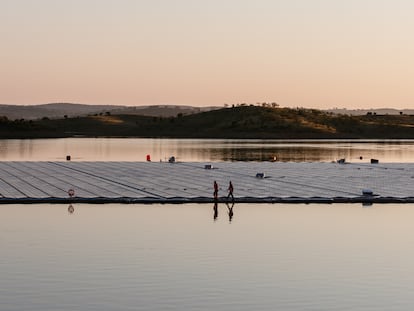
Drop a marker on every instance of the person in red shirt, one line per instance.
(215, 190)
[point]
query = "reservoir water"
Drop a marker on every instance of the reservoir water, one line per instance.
(198, 257)
(178, 257)
(130, 149)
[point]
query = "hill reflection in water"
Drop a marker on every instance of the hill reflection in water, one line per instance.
(137, 149)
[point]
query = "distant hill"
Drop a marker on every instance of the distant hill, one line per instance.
(161, 110)
(380, 111)
(57, 110)
(236, 122)
(60, 110)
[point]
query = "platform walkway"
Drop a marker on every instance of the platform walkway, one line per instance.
(163, 182)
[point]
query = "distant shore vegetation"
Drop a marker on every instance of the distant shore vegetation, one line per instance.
(263, 121)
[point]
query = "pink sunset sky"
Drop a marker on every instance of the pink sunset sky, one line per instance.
(307, 53)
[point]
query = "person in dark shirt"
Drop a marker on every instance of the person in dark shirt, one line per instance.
(230, 190)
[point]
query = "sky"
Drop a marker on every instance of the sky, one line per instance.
(299, 53)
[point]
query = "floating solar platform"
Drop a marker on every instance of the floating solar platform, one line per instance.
(192, 182)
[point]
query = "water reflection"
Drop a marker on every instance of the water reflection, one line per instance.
(71, 209)
(135, 149)
(150, 257)
(230, 210)
(215, 209)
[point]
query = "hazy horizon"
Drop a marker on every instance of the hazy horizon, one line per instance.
(315, 54)
(198, 106)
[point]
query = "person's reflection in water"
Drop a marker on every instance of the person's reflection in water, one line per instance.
(215, 208)
(70, 209)
(230, 212)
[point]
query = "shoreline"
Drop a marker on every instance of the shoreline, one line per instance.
(271, 200)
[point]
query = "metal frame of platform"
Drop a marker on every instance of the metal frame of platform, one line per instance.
(192, 182)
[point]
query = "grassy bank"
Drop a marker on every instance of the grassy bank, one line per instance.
(236, 122)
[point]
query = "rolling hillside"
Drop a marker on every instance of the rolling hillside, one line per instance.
(236, 122)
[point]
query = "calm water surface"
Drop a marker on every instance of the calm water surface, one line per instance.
(177, 257)
(117, 149)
